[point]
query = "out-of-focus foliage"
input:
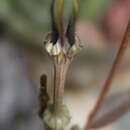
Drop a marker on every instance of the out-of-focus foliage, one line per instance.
(26, 16)
(93, 9)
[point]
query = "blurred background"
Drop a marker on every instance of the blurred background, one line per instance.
(23, 25)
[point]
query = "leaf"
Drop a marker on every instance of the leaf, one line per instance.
(113, 109)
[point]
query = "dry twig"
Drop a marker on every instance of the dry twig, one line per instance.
(114, 108)
(111, 75)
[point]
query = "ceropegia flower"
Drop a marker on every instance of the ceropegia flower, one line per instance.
(62, 45)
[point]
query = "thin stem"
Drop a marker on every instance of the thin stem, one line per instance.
(111, 75)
